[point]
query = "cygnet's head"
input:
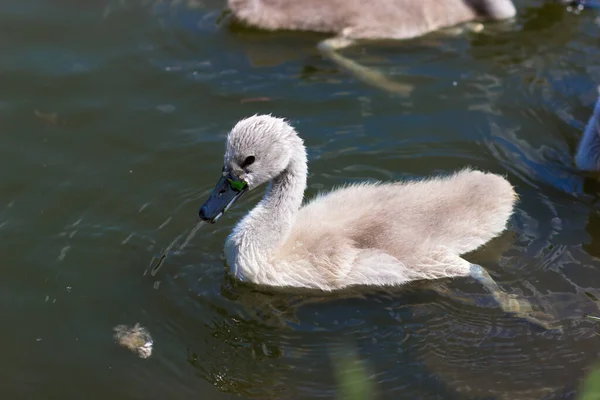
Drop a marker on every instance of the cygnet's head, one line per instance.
(258, 149)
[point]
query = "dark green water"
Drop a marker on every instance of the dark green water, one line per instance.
(112, 124)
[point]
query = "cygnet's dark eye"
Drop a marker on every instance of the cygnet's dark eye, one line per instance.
(248, 161)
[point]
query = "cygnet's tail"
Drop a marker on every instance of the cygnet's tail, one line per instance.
(478, 209)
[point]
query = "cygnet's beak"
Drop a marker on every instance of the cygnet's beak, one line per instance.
(228, 190)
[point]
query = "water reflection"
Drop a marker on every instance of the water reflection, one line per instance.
(276, 346)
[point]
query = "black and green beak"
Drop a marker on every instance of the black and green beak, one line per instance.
(228, 190)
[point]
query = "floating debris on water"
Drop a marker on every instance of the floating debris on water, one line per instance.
(47, 118)
(597, 319)
(136, 339)
(154, 267)
(165, 223)
(158, 264)
(63, 253)
(254, 99)
(191, 235)
(591, 317)
(127, 239)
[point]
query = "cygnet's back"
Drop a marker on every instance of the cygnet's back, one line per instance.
(410, 221)
(367, 19)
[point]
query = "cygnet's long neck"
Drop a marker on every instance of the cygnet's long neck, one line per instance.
(258, 235)
(588, 151)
